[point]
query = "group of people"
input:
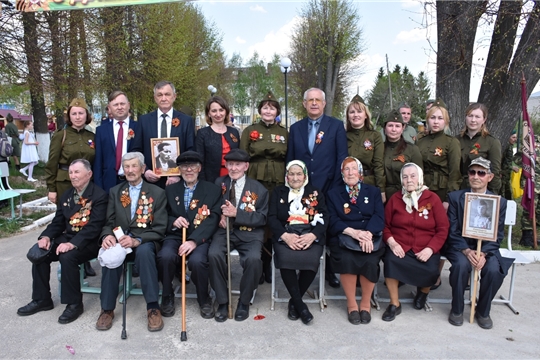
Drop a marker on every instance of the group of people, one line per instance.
(321, 184)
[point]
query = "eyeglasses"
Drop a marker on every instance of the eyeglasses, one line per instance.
(186, 167)
(480, 173)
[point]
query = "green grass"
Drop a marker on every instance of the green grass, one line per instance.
(8, 226)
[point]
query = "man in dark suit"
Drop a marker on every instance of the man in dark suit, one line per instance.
(246, 208)
(195, 205)
(108, 171)
(461, 251)
(72, 234)
(163, 123)
(140, 210)
(320, 142)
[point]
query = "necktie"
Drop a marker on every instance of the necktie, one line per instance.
(119, 145)
(232, 193)
(164, 126)
(312, 135)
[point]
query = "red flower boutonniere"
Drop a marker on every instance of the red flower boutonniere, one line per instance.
(424, 210)
(202, 214)
(81, 217)
(144, 210)
(346, 208)
(319, 138)
(400, 158)
(233, 138)
(124, 198)
(193, 204)
(91, 144)
(368, 145)
(248, 201)
(475, 148)
(130, 135)
(254, 135)
(175, 122)
(438, 151)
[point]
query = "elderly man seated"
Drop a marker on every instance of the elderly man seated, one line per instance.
(461, 251)
(138, 210)
(193, 204)
(245, 207)
(72, 238)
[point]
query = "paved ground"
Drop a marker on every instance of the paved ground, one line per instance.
(414, 334)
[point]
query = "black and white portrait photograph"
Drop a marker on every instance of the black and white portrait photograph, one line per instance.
(164, 154)
(481, 216)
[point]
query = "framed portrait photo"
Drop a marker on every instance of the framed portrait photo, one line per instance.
(164, 154)
(481, 217)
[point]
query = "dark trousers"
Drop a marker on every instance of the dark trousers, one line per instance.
(70, 292)
(491, 280)
(250, 259)
(145, 261)
(168, 261)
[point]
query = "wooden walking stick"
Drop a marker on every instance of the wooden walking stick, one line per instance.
(473, 297)
(183, 335)
(229, 269)
(124, 334)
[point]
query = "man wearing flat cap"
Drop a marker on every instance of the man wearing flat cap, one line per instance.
(195, 205)
(245, 207)
(461, 251)
(73, 236)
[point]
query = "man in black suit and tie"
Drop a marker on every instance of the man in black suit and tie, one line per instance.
(195, 205)
(73, 236)
(139, 208)
(320, 142)
(246, 208)
(165, 122)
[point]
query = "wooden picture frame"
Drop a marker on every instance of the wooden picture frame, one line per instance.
(481, 217)
(164, 154)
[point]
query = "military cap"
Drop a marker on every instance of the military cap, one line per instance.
(358, 99)
(393, 116)
(440, 103)
(189, 157)
(269, 97)
(480, 161)
(237, 155)
(78, 102)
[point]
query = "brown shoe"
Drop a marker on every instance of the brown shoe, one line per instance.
(155, 322)
(104, 322)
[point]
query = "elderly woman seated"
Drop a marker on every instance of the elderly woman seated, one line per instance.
(416, 227)
(356, 224)
(298, 219)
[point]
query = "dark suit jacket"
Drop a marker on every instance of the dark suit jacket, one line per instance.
(208, 194)
(208, 144)
(255, 220)
(278, 212)
(118, 215)
(105, 175)
(172, 163)
(60, 231)
(325, 162)
(363, 216)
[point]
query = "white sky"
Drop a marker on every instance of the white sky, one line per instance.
(393, 28)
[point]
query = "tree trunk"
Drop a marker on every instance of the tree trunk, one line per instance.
(73, 67)
(57, 67)
(87, 81)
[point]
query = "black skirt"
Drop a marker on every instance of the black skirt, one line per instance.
(286, 258)
(410, 270)
(345, 261)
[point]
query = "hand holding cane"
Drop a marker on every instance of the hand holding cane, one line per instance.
(183, 335)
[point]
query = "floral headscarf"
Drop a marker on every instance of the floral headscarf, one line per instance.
(353, 190)
(294, 193)
(411, 198)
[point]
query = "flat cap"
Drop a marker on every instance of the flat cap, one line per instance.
(480, 161)
(237, 155)
(189, 157)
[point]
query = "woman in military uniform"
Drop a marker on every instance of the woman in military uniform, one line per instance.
(397, 152)
(441, 154)
(365, 144)
(476, 141)
(266, 143)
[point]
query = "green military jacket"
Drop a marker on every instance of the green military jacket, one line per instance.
(267, 149)
(409, 134)
(441, 155)
(77, 144)
(393, 162)
(487, 147)
(368, 147)
(13, 132)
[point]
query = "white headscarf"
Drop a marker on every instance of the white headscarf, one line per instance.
(411, 198)
(296, 193)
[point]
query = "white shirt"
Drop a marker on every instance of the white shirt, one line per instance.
(169, 121)
(116, 128)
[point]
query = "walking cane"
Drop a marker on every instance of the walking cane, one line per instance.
(229, 269)
(475, 284)
(124, 334)
(183, 335)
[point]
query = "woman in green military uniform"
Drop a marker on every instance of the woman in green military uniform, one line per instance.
(397, 152)
(441, 154)
(365, 144)
(71, 143)
(476, 141)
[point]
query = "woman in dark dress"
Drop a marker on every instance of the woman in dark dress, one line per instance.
(357, 213)
(215, 141)
(298, 219)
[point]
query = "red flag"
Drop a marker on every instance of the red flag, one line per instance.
(529, 155)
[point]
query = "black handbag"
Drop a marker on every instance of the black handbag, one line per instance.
(298, 229)
(347, 242)
(37, 255)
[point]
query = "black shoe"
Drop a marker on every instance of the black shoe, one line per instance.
(71, 313)
(391, 312)
(354, 317)
(88, 270)
(222, 313)
(207, 309)
(242, 312)
(306, 316)
(484, 322)
(526, 238)
(420, 300)
(455, 319)
(293, 314)
(333, 281)
(35, 306)
(167, 306)
(365, 317)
